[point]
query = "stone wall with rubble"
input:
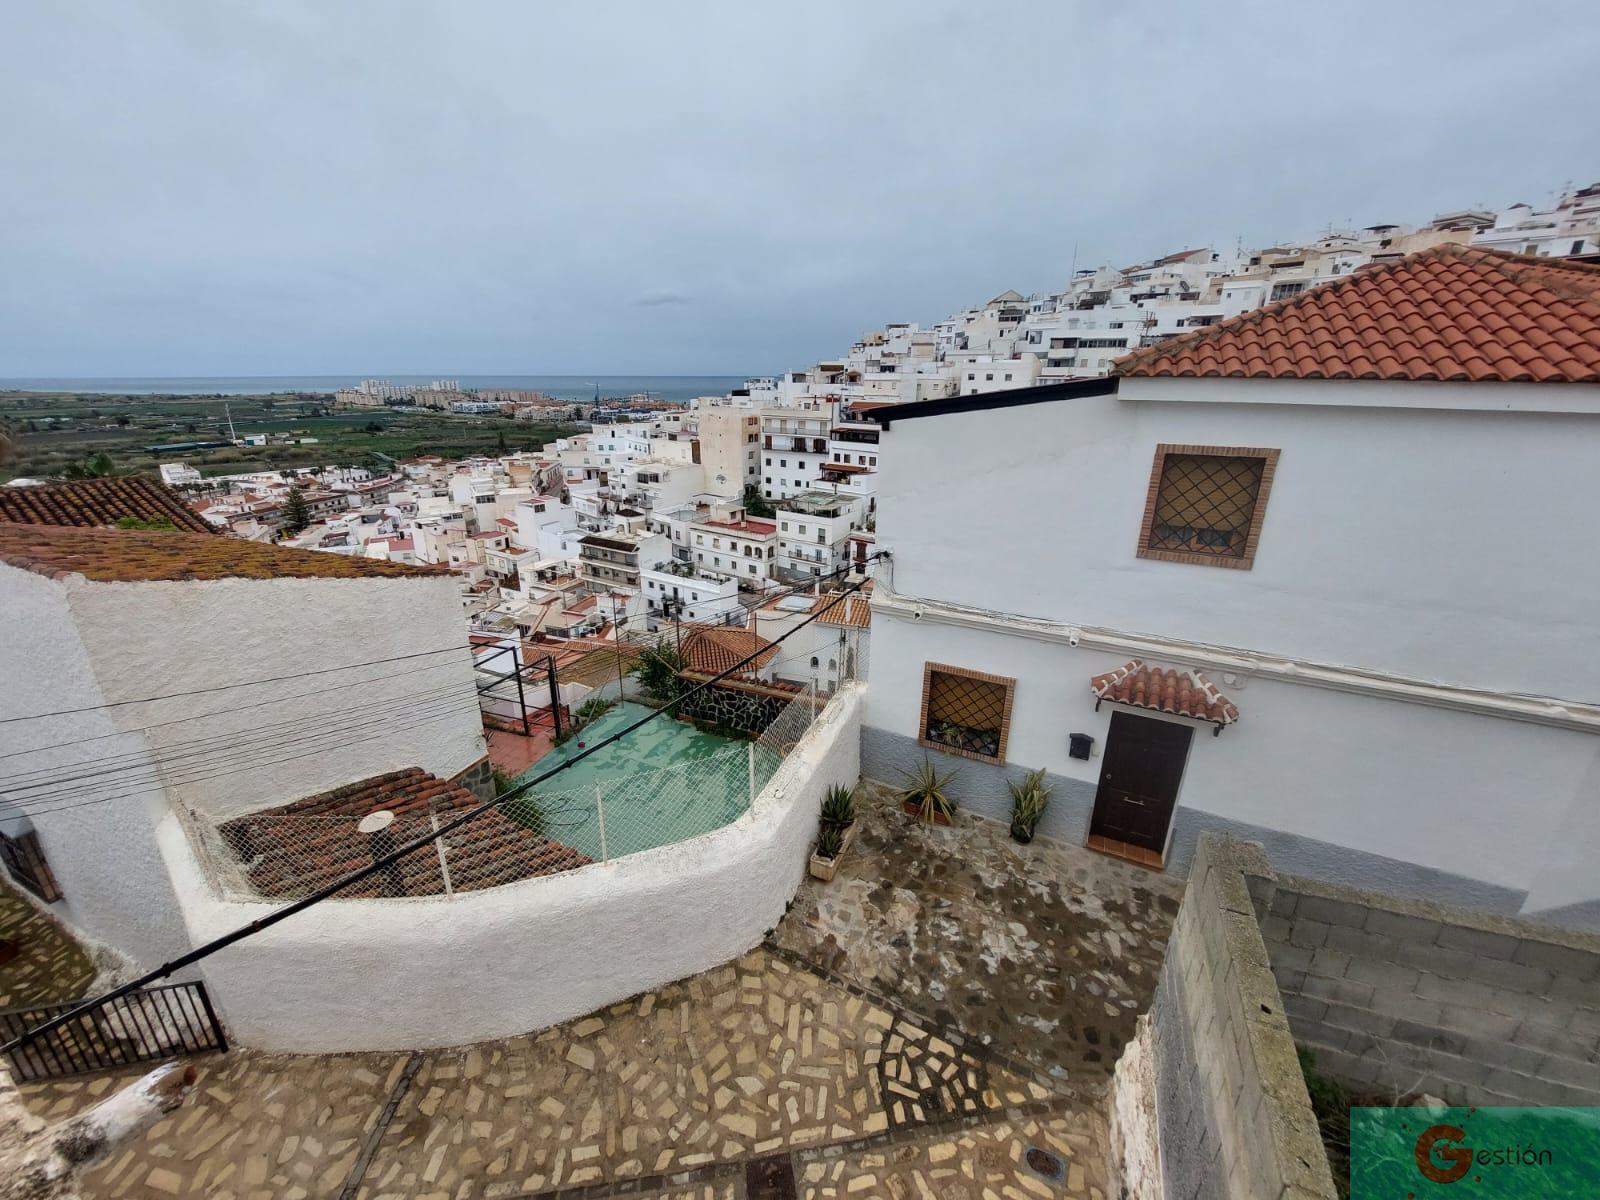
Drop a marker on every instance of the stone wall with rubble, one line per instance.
(734, 708)
(1232, 1116)
(1400, 996)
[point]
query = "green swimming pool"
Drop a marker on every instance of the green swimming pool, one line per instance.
(663, 783)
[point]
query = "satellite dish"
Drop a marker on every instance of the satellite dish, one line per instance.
(374, 822)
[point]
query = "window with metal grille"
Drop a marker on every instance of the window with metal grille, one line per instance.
(1205, 504)
(966, 712)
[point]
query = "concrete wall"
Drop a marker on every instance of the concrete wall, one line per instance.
(1404, 996)
(1388, 794)
(1398, 536)
(393, 974)
(1232, 1114)
(100, 842)
(272, 743)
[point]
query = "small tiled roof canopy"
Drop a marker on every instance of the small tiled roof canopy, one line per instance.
(309, 843)
(99, 502)
(1181, 693)
(1449, 313)
(713, 651)
(131, 555)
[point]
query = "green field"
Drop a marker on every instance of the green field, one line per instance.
(48, 433)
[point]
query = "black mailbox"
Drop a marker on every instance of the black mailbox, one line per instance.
(1079, 744)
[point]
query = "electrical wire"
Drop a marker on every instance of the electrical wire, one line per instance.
(383, 861)
(224, 687)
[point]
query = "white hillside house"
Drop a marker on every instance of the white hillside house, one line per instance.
(1299, 589)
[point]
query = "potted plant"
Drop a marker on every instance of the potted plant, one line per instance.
(1030, 795)
(924, 796)
(825, 859)
(835, 832)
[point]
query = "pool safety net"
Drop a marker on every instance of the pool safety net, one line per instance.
(288, 852)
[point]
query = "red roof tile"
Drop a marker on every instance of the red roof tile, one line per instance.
(1184, 694)
(712, 651)
(91, 502)
(853, 612)
(129, 555)
(1450, 313)
(298, 847)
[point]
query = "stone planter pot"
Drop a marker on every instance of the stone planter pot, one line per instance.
(824, 868)
(911, 810)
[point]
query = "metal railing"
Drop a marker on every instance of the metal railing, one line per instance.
(149, 1024)
(25, 861)
(561, 826)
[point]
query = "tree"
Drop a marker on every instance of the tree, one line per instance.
(296, 516)
(500, 442)
(124, 420)
(97, 467)
(757, 505)
(657, 669)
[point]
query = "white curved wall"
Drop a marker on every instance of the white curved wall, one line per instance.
(398, 974)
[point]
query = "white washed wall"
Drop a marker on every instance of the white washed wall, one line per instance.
(395, 974)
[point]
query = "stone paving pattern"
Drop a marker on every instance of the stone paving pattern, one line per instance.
(969, 1000)
(986, 1161)
(1048, 952)
(48, 965)
(736, 1063)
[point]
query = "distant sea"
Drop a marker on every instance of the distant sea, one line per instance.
(562, 387)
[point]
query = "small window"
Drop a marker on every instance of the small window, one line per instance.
(1282, 291)
(1205, 504)
(966, 712)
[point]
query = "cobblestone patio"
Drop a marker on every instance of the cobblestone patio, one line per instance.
(948, 1003)
(1046, 952)
(48, 965)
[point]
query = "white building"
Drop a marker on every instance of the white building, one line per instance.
(725, 540)
(674, 589)
(730, 449)
(1570, 226)
(794, 447)
(176, 474)
(813, 532)
(1336, 615)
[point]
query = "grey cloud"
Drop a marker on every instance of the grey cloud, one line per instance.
(286, 186)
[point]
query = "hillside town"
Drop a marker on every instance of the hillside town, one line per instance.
(1035, 753)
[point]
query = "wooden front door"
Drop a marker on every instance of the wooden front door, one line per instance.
(1139, 776)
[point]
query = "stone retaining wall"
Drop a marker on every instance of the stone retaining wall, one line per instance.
(1405, 996)
(1232, 1115)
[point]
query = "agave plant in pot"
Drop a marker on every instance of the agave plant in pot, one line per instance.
(835, 831)
(1030, 795)
(924, 795)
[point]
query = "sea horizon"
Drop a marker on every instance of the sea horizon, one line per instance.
(561, 387)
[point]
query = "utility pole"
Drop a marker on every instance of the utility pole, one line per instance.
(616, 633)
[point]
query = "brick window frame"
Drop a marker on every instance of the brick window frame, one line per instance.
(1239, 562)
(1004, 703)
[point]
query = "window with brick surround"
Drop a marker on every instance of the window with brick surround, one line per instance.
(966, 712)
(1205, 504)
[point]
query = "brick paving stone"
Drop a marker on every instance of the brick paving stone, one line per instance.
(1046, 952)
(48, 965)
(986, 1161)
(258, 1127)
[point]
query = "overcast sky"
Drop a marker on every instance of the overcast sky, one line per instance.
(206, 187)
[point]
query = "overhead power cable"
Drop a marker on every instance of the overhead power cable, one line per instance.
(224, 687)
(384, 861)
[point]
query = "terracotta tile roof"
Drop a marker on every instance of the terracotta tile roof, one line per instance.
(854, 612)
(127, 555)
(1184, 694)
(750, 525)
(99, 502)
(1453, 312)
(298, 847)
(712, 651)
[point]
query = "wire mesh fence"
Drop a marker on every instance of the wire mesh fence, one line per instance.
(588, 814)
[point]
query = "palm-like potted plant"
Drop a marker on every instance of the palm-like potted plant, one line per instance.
(1030, 795)
(835, 832)
(924, 796)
